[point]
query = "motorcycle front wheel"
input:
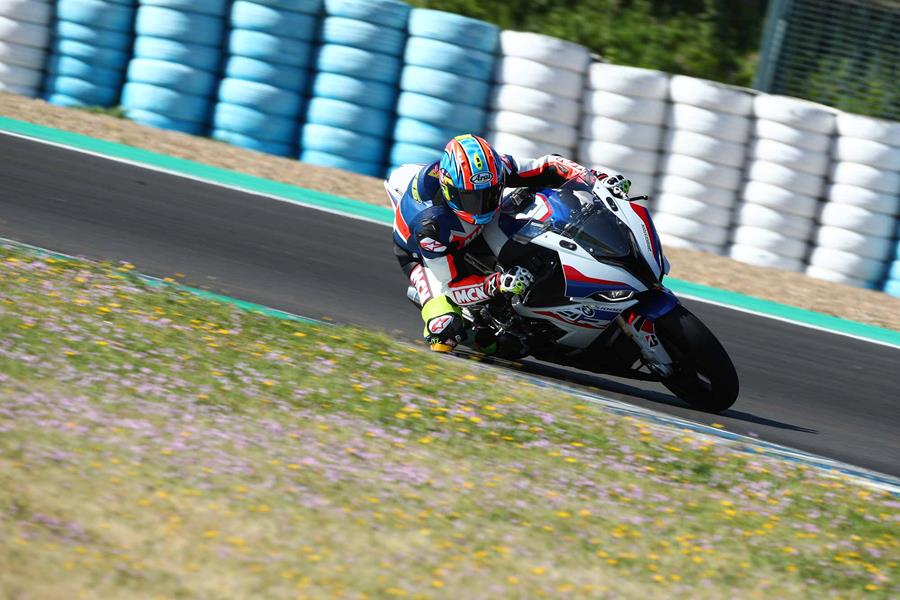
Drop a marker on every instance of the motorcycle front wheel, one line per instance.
(704, 375)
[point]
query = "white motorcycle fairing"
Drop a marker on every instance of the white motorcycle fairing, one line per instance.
(586, 313)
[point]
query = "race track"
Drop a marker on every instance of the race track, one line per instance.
(815, 391)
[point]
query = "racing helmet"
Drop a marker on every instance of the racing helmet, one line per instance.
(472, 178)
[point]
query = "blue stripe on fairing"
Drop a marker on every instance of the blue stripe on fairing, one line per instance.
(654, 304)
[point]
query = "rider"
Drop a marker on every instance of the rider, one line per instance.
(444, 208)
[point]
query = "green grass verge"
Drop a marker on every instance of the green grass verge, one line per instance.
(154, 444)
(113, 111)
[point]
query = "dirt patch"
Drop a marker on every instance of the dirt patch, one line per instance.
(874, 308)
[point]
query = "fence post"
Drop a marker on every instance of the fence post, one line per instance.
(772, 42)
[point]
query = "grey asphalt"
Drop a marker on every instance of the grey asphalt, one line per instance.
(811, 390)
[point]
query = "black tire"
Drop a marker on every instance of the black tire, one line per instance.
(704, 375)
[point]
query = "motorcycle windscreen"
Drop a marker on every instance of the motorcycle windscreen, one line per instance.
(600, 233)
(529, 231)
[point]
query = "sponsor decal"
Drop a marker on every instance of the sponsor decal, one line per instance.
(642, 214)
(432, 245)
(647, 238)
(483, 177)
(649, 332)
(583, 316)
(469, 295)
(419, 281)
(612, 307)
(438, 324)
(461, 239)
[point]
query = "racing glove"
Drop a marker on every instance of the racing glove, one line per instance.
(616, 183)
(513, 281)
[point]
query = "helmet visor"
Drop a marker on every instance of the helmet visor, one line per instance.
(478, 202)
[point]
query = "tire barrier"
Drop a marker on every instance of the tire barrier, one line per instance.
(535, 103)
(172, 77)
(777, 181)
(354, 88)
(787, 160)
(444, 85)
(856, 239)
(266, 73)
(706, 143)
(24, 40)
(623, 122)
(91, 47)
(892, 281)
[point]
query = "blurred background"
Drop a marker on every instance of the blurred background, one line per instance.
(763, 131)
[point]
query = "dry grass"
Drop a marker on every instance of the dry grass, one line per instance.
(157, 445)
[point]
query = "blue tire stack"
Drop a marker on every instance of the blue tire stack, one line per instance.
(892, 285)
(266, 74)
(350, 114)
(172, 78)
(449, 63)
(90, 50)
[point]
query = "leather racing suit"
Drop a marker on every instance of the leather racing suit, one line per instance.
(430, 241)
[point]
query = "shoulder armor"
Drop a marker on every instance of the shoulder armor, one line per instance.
(428, 236)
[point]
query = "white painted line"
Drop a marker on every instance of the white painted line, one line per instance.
(376, 222)
(197, 179)
(789, 321)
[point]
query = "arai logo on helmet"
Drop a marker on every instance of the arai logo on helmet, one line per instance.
(483, 177)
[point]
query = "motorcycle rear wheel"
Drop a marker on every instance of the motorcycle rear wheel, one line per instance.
(704, 375)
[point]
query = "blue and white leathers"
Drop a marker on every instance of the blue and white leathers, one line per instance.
(428, 229)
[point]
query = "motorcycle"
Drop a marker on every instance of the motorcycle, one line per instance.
(598, 302)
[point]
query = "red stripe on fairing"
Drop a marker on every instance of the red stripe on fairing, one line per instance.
(575, 275)
(548, 210)
(641, 212)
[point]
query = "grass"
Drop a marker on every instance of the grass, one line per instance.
(113, 111)
(157, 445)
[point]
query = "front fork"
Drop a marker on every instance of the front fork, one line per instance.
(640, 328)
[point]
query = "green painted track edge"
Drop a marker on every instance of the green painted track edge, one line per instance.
(784, 311)
(382, 214)
(199, 170)
(156, 282)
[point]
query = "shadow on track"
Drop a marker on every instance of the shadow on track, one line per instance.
(591, 380)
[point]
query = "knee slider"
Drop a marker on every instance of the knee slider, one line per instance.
(446, 329)
(443, 321)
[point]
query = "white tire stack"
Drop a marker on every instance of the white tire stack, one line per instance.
(24, 38)
(855, 240)
(622, 127)
(703, 156)
(534, 105)
(788, 161)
